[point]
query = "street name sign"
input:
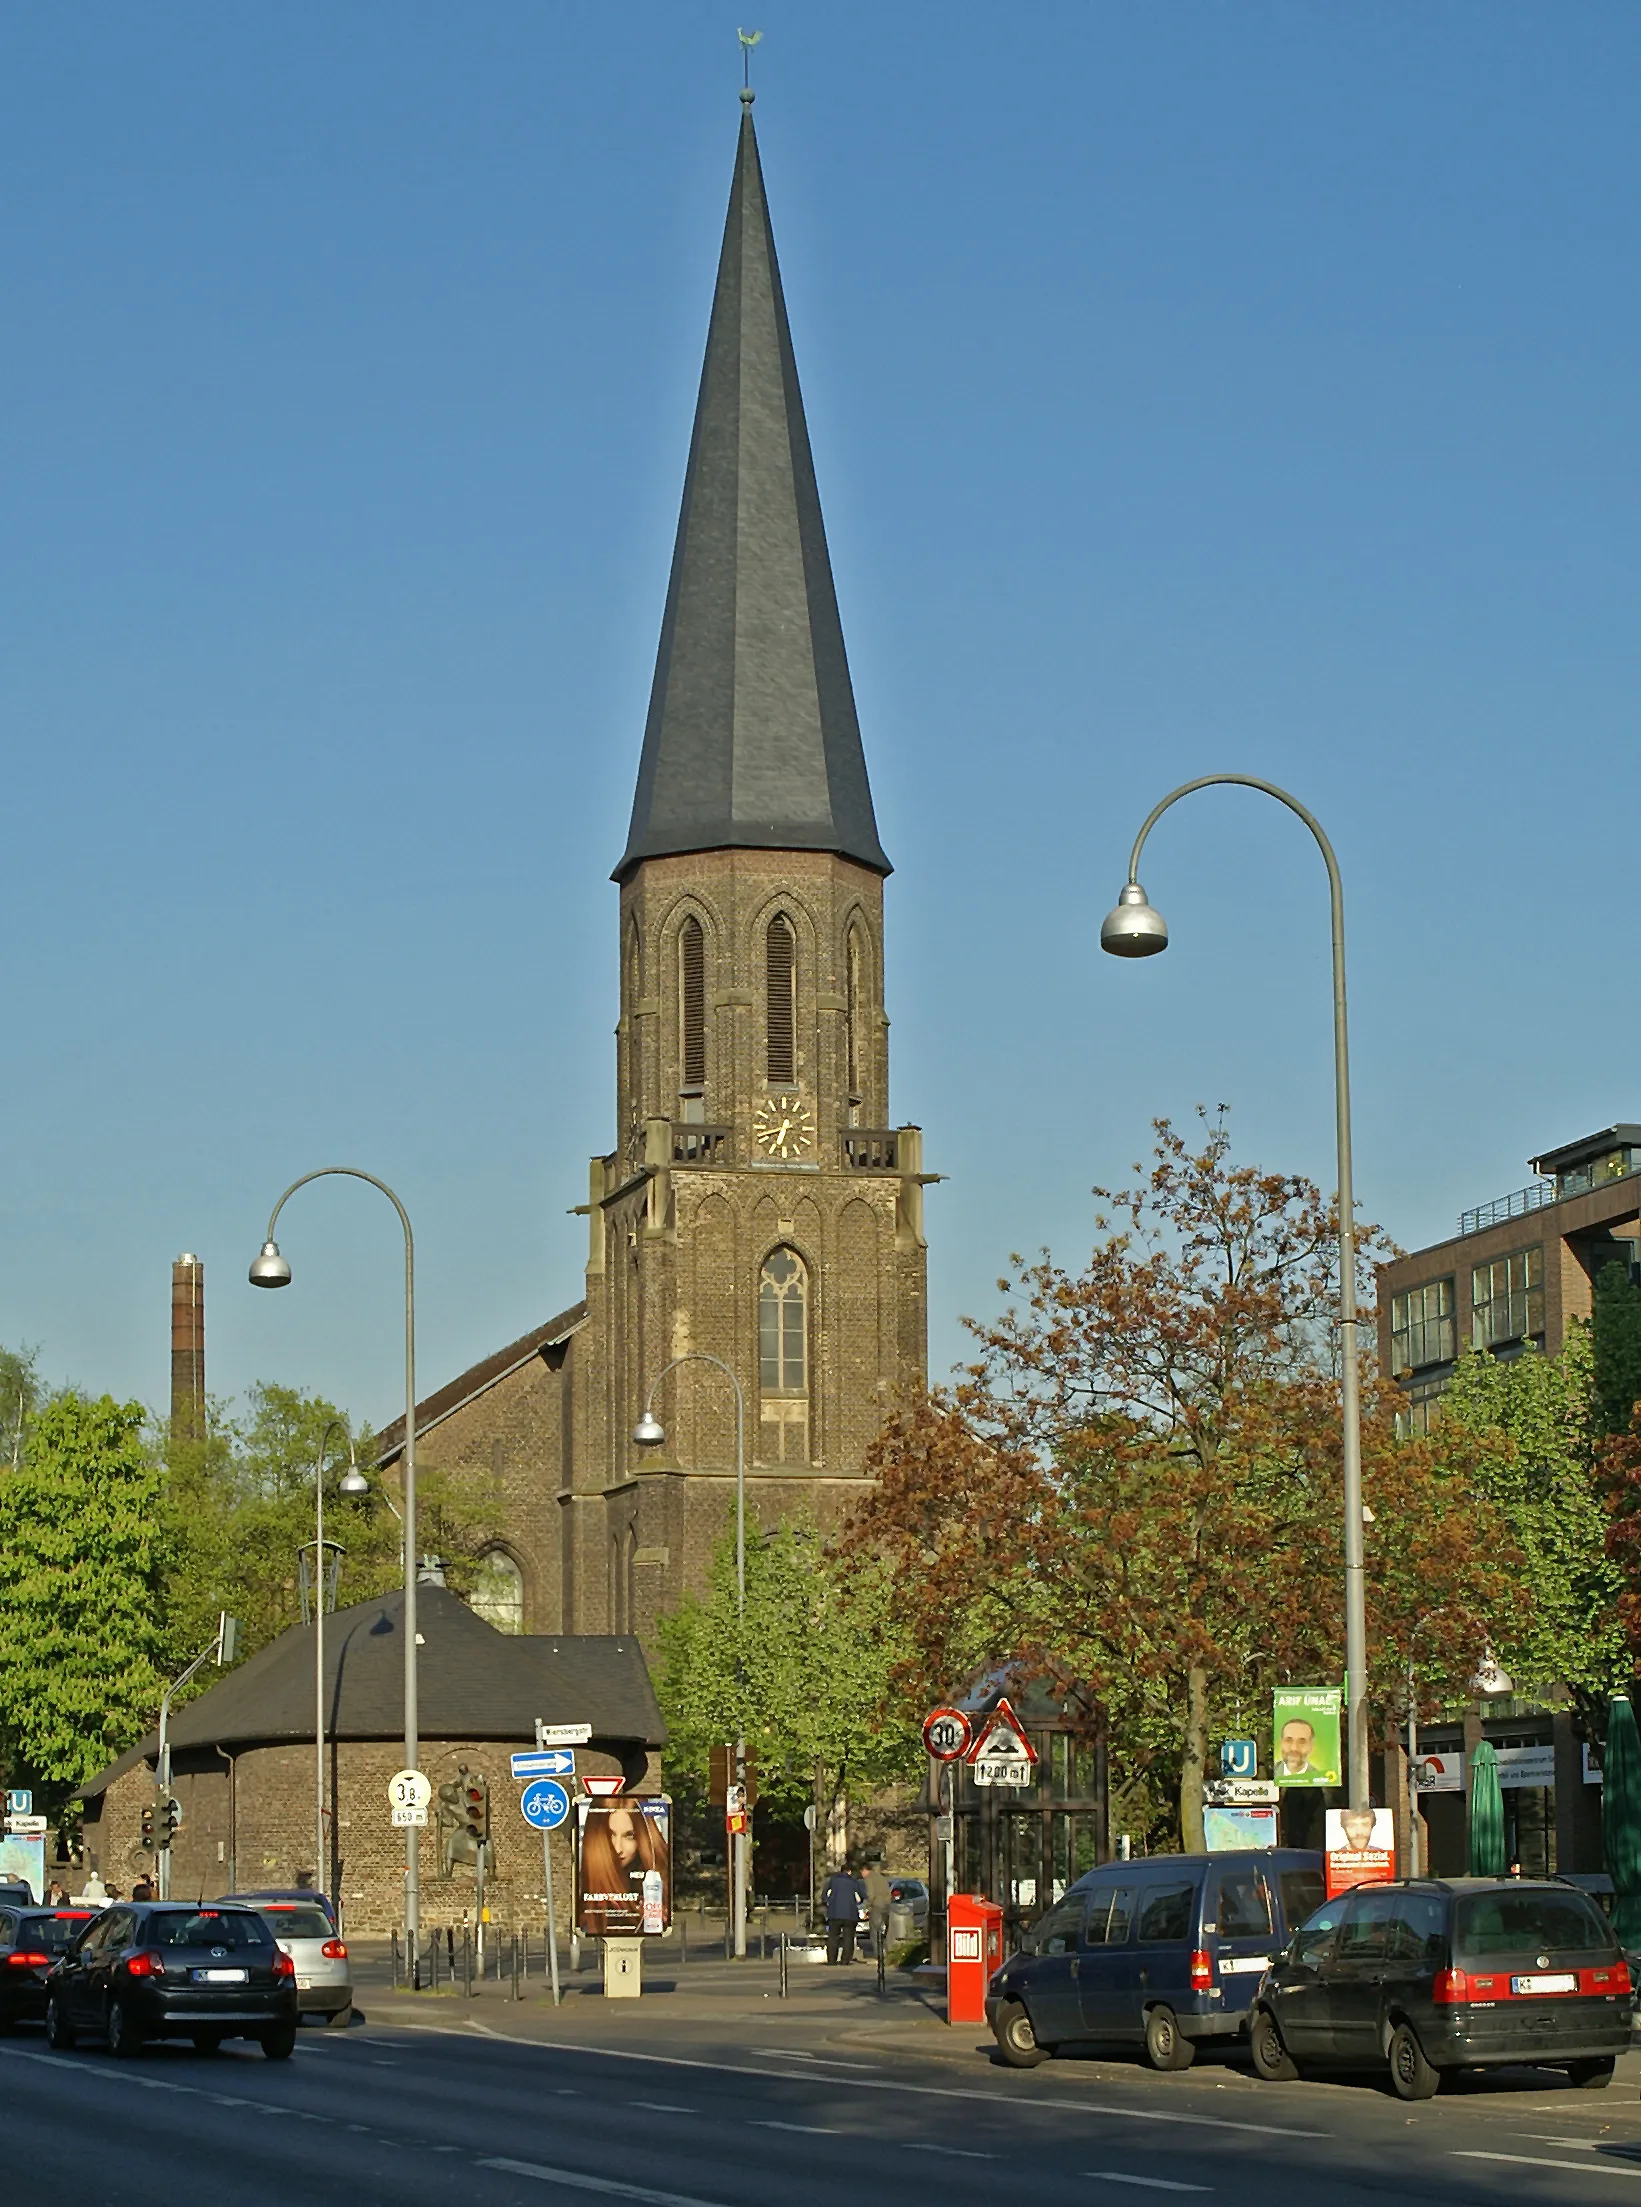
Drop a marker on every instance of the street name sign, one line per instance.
(545, 1762)
(26, 1827)
(562, 1735)
(945, 1734)
(1241, 1792)
(545, 1804)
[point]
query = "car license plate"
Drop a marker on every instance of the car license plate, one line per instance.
(219, 1977)
(1566, 1982)
(304, 1984)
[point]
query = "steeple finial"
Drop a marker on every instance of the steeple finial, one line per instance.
(748, 40)
(752, 742)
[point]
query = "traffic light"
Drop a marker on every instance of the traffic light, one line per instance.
(170, 1817)
(476, 1808)
(148, 1827)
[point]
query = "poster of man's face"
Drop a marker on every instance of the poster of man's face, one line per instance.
(1305, 1725)
(1361, 1847)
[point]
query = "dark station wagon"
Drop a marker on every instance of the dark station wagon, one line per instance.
(1440, 1974)
(174, 1969)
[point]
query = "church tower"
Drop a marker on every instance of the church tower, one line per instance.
(759, 1208)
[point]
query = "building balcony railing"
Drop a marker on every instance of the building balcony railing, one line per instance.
(1515, 1205)
(871, 1149)
(700, 1145)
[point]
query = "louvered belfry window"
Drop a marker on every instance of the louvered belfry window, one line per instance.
(692, 1003)
(854, 964)
(781, 978)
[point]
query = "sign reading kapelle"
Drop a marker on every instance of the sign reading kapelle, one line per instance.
(1305, 1721)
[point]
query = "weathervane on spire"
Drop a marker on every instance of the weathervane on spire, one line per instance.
(748, 40)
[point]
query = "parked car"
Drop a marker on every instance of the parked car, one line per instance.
(908, 1909)
(305, 1895)
(1437, 1974)
(16, 1892)
(324, 1984)
(31, 1942)
(1165, 1953)
(174, 1969)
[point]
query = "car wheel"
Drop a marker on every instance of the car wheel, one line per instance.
(124, 2032)
(341, 2019)
(207, 2042)
(59, 2031)
(280, 2043)
(1271, 2058)
(1166, 2046)
(1016, 2040)
(1410, 2073)
(1592, 2076)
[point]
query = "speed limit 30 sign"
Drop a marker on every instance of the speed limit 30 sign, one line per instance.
(946, 1734)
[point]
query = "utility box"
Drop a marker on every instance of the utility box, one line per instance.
(623, 1969)
(974, 1948)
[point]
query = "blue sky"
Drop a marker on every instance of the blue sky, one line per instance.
(1208, 387)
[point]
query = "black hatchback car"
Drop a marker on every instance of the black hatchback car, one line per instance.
(1438, 1974)
(171, 1969)
(32, 1942)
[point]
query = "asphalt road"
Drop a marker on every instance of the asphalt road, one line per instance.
(449, 2107)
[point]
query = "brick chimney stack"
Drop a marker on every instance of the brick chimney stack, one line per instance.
(188, 1348)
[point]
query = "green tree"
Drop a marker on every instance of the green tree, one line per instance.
(84, 1546)
(1615, 1333)
(21, 1395)
(808, 1680)
(1521, 1429)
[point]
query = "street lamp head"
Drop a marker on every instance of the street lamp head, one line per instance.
(649, 1432)
(1133, 928)
(1491, 1677)
(270, 1269)
(353, 1481)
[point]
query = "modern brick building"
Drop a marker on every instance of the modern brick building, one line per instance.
(1519, 1270)
(243, 1761)
(757, 1205)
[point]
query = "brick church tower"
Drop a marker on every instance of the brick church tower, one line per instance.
(758, 1207)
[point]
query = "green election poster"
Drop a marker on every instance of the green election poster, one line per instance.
(1305, 1725)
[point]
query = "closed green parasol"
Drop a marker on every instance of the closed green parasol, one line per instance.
(1486, 1813)
(1621, 1817)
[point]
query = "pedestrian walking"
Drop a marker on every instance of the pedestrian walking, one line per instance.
(143, 1890)
(842, 1896)
(879, 1893)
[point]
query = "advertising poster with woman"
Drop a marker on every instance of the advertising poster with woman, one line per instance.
(624, 1866)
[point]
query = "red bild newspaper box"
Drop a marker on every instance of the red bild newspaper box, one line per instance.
(974, 1947)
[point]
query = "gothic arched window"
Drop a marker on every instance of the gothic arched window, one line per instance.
(783, 1358)
(781, 995)
(854, 960)
(692, 1005)
(498, 1591)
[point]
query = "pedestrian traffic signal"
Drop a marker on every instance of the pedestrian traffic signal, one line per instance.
(170, 1817)
(476, 1808)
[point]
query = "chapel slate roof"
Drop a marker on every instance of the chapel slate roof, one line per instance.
(475, 1684)
(752, 741)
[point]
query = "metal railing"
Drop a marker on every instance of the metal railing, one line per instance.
(1515, 1205)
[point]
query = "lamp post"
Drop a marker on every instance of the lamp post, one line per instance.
(270, 1269)
(1134, 930)
(649, 1432)
(352, 1482)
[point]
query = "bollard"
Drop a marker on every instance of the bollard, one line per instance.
(683, 1940)
(393, 1957)
(783, 1965)
(881, 1944)
(433, 1974)
(518, 1969)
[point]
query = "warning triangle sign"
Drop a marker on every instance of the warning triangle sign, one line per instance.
(1001, 1739)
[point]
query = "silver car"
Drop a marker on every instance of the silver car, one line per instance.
(324, 1985)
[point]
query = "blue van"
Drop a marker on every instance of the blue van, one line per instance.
(1162, 1953)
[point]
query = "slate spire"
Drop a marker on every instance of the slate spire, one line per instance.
(752, 742)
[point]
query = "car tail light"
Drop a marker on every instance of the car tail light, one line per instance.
(1451, 1989)
(28, 1961)
(334, 1950)
(283, 1966)
(145, 1965)
(1202, 1970)
(1615, 1978)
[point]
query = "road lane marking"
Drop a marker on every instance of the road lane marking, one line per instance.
(870, 2084)
(1540, 2161)
(1147, 2183)
(802, 2053)
(663, 2107)
(952, 2153)
(804, 2130)
(577, 2182)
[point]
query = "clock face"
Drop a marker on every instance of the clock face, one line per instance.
(784, 1127)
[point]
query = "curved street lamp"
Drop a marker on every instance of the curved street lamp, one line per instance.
(649, 1432)
(270, 1269)
(1134, 929)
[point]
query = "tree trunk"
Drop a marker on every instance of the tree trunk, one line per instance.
(1193, 1761)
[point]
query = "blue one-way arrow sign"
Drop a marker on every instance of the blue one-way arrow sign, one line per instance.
(545, 1762)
